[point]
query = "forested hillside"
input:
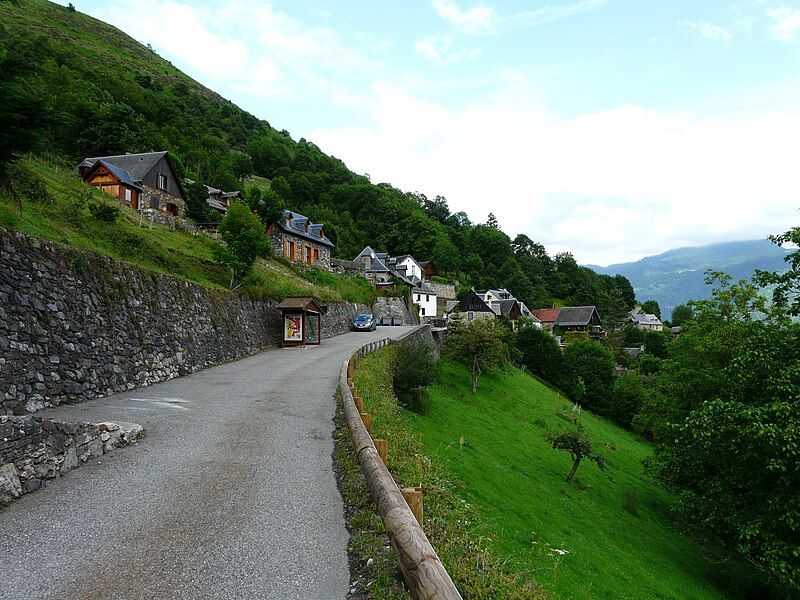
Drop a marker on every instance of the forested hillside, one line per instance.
(73, 86)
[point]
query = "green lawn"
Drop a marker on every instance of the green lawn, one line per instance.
(575, 539)
(490, 475)
(64, 217)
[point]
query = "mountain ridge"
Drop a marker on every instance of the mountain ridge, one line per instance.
(676, 276)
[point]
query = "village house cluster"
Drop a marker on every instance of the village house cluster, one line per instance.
(148, 181)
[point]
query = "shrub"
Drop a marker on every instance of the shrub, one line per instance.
(593, 364)
(105, 212)
(28, 184)
(245, 240)
(540, 354)
(629, 396)
(413, 370)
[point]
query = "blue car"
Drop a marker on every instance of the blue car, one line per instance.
(365, 323)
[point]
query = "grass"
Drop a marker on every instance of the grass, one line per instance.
(63, 217)
(499, 512)
(451, 524)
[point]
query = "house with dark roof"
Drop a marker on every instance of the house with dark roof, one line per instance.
(428, 268)
(645, 321)
(296, 238)
(141, 181)
(219, 200)
(579, 318)
(472, 306)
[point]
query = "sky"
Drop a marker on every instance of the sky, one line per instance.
(613, 129)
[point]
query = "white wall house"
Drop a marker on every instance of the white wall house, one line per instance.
(425, 297)
(413, 269)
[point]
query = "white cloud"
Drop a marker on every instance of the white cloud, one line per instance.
(439, 49)
(484, 20)
(476, 20)
(785, 23)
(610, 186)
(709, 31)
(246, 48)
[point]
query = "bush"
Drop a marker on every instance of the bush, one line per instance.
(104, 211)
(540, 354)
(413, 370)
(630, 395)
(245, 240)
(594, 365)
(28, 184)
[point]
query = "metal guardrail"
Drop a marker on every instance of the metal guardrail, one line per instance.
(424, 574)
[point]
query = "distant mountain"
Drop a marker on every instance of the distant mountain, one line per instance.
(676, 276)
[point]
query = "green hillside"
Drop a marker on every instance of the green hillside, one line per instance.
(72, 86)
(60, 212)
(577, 541)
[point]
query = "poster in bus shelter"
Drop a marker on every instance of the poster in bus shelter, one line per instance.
(293, 328)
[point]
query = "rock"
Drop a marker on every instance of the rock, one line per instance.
(31, 485)
(10, 487)
(70, 460)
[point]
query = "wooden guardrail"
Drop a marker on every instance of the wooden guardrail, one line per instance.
(424, 573)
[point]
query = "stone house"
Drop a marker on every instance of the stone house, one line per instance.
(141, 181)
(219, 200)
(645, 321)
(297, 239)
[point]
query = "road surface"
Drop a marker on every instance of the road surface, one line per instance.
(230, 494)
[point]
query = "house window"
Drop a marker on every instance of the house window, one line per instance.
(153, 201)
(427, 297)
(128, 195)
(162, 182)
(308, 255)
(291, 250)
(470, 316)
(172, 209)
(422, 311)
(316, 254)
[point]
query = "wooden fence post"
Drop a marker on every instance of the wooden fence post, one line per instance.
(367, 419)
(359, 403)
(382, 446)
(413, 496)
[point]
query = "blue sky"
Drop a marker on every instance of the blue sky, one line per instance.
(611, 128)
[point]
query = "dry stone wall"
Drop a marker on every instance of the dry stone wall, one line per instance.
(76, 325)
(34, 450)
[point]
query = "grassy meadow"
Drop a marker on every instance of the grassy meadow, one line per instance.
(494, 487)
(63, 216)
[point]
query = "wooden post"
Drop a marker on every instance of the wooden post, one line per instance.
(413, 496)
(359, 403)
(367, 419)
(382, 446)
(350, 381)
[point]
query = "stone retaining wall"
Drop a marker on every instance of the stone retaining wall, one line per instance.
(388, 307)
(76, 325)
(34, 450)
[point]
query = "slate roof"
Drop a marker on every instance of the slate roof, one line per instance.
(120, 174)
(646, 319)
(137, 165)
(424, 288)
(504, 306)
(298, 228)
(575, 316)
(307, 303)
(546, 315)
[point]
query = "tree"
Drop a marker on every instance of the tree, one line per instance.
(630, 394)
(492, 222)
(245, 240)
(786, 294)
(681, 314)
(540, 354)
(651, 307)
(479, 344)
(413, 370)
(197, 208)
(267, 204)
(594, 365)
(577, 443)
(626, 290)
(655, 342)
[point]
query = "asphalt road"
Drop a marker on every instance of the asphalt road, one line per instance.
(231, 493)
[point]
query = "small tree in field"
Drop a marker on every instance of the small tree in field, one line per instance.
(576, 442)
(479, 344)
(245, 240)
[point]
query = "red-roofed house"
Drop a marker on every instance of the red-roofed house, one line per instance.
(547, 316)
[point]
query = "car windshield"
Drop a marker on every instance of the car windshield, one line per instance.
(363, 318)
